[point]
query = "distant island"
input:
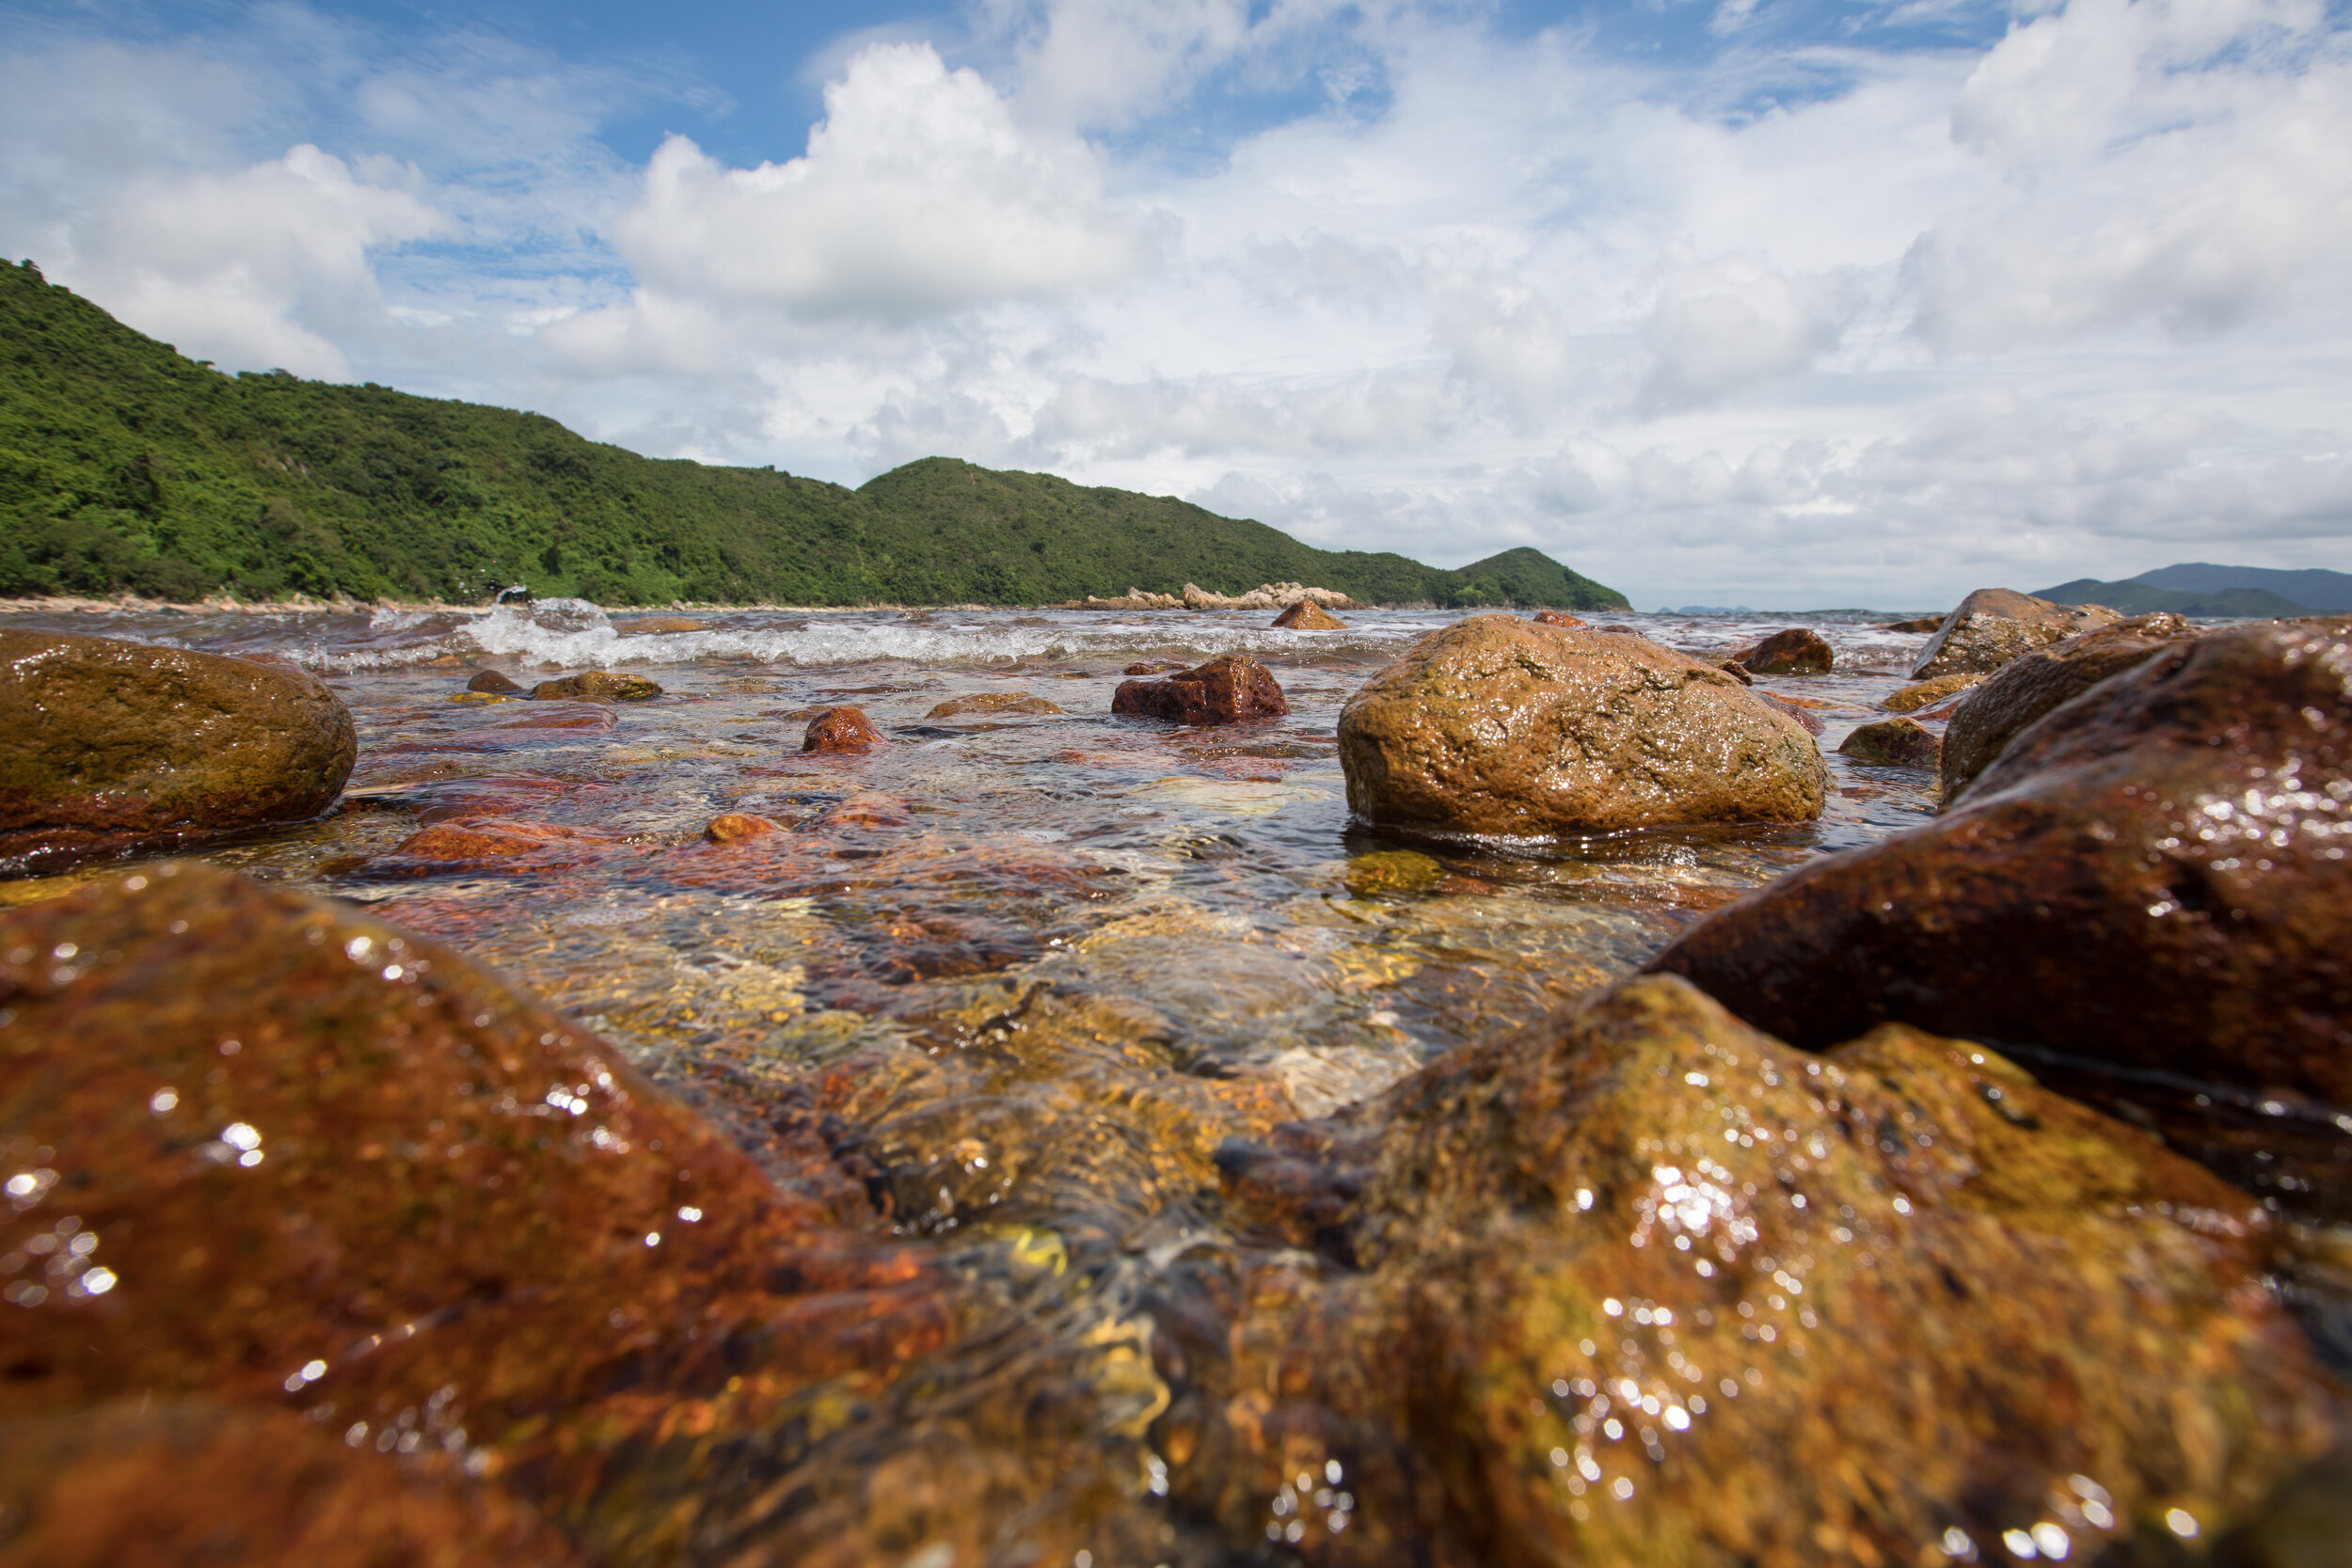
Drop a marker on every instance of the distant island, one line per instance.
(127, 468)
(2201, 588)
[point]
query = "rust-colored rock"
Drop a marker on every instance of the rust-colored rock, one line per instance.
(661, 625)
(1894, 743)
(2032, 683)
(287, 1157)
(479, 840)
(1641, 1287)
(1992, 625)
(1498, 725)
(1793, 652)
(598, 686)
(841, 729)
(2153, 876)
(736, 826)
(1307, 615)
(1228, 689)
(1554, 618)
(993, 702)
(1920, 695)
(108, 746)
(1917, 624)
(493, 681)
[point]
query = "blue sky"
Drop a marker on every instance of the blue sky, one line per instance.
(1776, 302)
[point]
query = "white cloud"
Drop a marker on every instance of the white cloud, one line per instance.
(1723, 325)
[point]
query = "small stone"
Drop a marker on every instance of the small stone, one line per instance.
(734, 827)
(493, 681)
(841, 729)
(1794, 652)
(1894, 743)
(1917, 624)
(1554, 618)
(1737, 671)
(1228, 689)
(597, 686)
(1920, 695)
(993, 702)
(1307, 615)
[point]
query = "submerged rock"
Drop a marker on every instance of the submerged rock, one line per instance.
(1643, 1288)
(598, 686)
(493, 681)
(1499, 725)
(2153, 876)
(2032, 683)
(1992, 625)
(108, 746)
(1920, 695)
(1228, 689)
(286, 1157)
(993, 702)
(1794, 652)
(1894, 743)
(734, 827)
(841, 729)
(1306, 615)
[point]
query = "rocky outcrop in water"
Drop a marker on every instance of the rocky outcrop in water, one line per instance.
(1894, 743)
(1306, 615)
(1499, 725)
(841, 729)
(1992, 625)
(2032, 683)
(1642, 1286)
(1794, 652)
(1268, 595)
(1228, 689)
(598, 686)
(495, 681)
(108, 746)
(2153, 876)
(993, 702)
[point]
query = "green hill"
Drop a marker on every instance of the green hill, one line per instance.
(2134, 598)
(124, 466)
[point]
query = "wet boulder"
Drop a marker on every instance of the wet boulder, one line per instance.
(1793, 652)
(993, 702)
(1643, 1286)
(1893, 743)
(598, 686)
(1230, 689)
(2032, 683)
(1920, 695)
(1307, 615)
(1554, 618)
(495, 681)
(841, 729)
(2152, 876)
(1992, 625)
(1496, 724)
(107, 746)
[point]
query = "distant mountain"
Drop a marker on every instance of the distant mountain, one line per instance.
(2321, 590)
(125, 465)
(2135, 596)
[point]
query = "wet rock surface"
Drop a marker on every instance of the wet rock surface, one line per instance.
(2032, 683)
(993, 702)
(1927, 693)
(1554, 618)
(493, 681)
(106, 746)
(2152, 876)
(1499, 725)
(1230, 689)
(1992, 625)
(598, 686)
(737, 827)
(1794, 652)
(841, 729)
(1306, 615)
(1894, 743)
(1643, 1286)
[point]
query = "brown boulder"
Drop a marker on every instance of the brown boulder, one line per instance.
(841, 729)
(1554, 618)
(1992, 625)
(597, 686)
(1228, 689)
(1641, 1287)
(492, 681)
(734, 827)
(1894, 743)
(1307, 615)
(1920, 695)
(993, 702)
(2152, 876)
(2032, 683)
(1499, 725)
(1737, 671)
(108, 746)
(1793, 652)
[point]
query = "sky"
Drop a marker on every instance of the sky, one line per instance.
(1778, 303)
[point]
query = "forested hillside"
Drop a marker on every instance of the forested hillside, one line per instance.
(124, 466)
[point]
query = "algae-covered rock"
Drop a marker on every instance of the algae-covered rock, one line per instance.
(1920, 695)
(107, 746)
(993, 702)
(1893, 743)
(2032, 683)
(1499, 725)
(1643, 1288)
(598, 686)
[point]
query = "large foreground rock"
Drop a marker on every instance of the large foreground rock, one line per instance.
(2154, 874)
(1643, 1288)
(1992, 625)
(107, 746)
(1499, 725)
(2031, 685)
(1228, 689)
(286, 1157)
